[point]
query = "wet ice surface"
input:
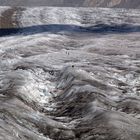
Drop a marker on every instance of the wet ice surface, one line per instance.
(70, 74)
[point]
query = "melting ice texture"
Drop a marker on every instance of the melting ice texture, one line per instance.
(69, 74)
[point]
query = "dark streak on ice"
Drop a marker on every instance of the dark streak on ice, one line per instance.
(56, 28)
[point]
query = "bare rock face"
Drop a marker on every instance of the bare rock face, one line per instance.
(74, 3)
(113, 3)
(69, 74)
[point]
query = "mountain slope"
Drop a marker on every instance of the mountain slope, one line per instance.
(72, 3)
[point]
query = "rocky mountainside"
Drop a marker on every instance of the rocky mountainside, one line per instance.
(113, 3)
(73, 3)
